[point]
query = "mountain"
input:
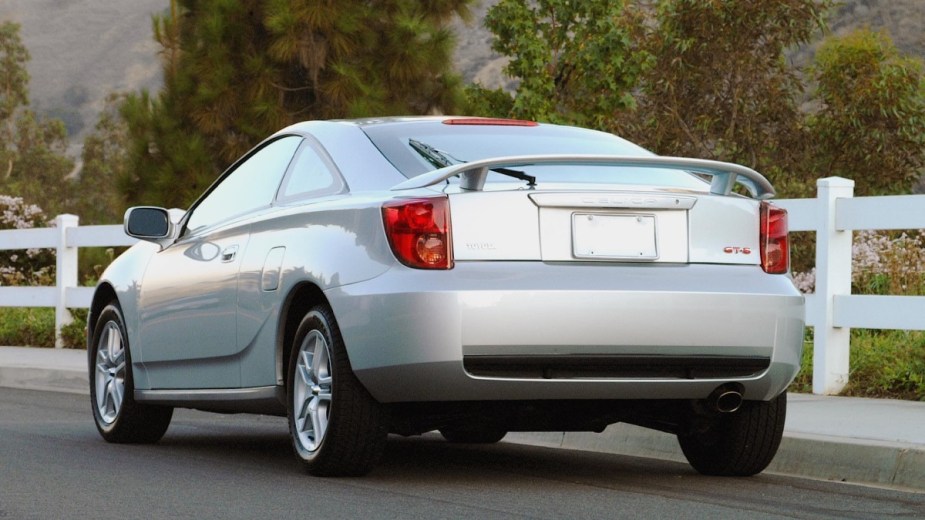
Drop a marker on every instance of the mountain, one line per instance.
(83, 49)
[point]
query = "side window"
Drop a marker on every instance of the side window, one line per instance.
(251, 185)
(311, 175)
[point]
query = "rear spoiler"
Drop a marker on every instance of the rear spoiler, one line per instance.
(724, 175)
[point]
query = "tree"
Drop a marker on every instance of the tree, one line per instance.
(14, 90)
(235, 71)
(720, 87)
(32, 150)
(871, 124)
(576, 62)
(104, 162)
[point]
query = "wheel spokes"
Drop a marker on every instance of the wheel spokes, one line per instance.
(109, 377)
(312, 392)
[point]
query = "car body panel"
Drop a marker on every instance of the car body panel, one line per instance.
(534, 308)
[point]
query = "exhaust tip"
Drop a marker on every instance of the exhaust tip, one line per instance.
(726, 399)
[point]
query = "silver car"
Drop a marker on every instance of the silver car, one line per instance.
(466, 275)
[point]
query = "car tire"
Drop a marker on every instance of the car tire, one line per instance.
(338, 429)
(118, 417)
(741, 443)
(472, 435)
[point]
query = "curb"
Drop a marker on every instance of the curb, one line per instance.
(896, 465)
(58, 370)
(55, 380)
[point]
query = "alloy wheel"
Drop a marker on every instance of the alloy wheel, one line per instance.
(312, 392)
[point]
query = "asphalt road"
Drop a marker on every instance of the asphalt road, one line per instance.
(53, 464)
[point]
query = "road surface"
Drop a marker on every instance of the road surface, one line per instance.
(53, 464)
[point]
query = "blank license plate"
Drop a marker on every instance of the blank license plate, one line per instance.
(614, 236)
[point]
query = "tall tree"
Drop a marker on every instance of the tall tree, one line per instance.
(14, 90)
(576, 62)
(33, 164)
(237, 70)
(871, 123)
(720, 87)
(104, 161)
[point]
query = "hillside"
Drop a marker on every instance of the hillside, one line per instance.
(83, 49)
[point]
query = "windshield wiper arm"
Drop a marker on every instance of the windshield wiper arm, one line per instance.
(433, 156)
(517, 174)
(441, 159)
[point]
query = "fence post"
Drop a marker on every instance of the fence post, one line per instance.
(833, 277)
(65, 273)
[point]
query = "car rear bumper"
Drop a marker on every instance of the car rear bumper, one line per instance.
(532, 330)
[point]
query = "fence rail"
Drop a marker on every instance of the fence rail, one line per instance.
(832, 311)
(66, 237)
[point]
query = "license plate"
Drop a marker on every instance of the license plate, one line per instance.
(622, 237)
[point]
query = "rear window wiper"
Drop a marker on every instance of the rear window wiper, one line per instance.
(441, 159)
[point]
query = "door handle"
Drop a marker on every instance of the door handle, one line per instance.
(229, 253)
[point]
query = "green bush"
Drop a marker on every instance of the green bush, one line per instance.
(74, 334)
(883, 363)
(35, 327)
(27, 327)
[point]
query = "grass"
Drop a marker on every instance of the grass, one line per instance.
(882, 363)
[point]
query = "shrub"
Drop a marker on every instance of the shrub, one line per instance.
(25, 266)
(881, 263)
(27, 327)
(35, 327)
(883, 363)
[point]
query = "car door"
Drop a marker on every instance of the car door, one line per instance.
(188, 295)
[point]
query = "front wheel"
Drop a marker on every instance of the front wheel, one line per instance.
(116, 414)
(337, 427)
(741, 443)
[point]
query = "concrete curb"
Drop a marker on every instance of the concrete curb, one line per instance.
(818, 457)
(45, 369)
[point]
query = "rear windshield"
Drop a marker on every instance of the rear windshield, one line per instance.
(466, 143)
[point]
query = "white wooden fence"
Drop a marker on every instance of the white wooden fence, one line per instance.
(65, 238)
(832, 311)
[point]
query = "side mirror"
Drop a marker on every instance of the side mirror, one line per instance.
(149, 223)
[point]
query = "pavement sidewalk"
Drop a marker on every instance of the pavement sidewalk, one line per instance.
(865, 441)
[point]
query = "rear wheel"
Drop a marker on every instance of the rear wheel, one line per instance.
(742, 443)
(473, 435)
(337, 427)
(116, 414)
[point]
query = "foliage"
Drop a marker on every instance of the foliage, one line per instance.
(74, 334)
(29, 327)
(720, 87)
(881, 263)
(708, 78)
(28, 266)
(14, 79)
(104, 164)
(236, 71)
(871, 127)
(576, 61)
(889, 363)
(33, 164)
(35, 327)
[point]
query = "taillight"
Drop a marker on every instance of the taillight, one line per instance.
(775, 247)
(419, 232)
(488, 121)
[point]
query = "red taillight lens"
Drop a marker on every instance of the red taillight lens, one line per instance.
(775, 247)
(419, 232)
